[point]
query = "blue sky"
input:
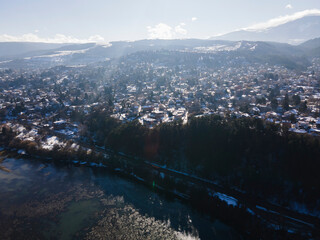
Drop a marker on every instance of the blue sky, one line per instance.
(105, 20)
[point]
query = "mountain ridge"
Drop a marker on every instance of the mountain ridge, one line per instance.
(293, 32)
(78, 54)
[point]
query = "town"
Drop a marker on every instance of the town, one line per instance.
(160, 120)
(154, 93)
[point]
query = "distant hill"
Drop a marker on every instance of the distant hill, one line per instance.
(310, 44)
(82, 54)
(311, 47)
(8, 49)
(293, 32)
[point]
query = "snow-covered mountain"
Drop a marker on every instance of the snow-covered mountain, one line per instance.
(293, 32)
(91, 53)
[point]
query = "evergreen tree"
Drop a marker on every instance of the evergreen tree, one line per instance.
(274, 103)
(285, 103)
(303, 106)
(296, 100)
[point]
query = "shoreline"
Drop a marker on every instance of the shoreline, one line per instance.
(209, 202)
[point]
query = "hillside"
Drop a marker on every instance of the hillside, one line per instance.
(293, 32)
(8, 49)
(74, 54)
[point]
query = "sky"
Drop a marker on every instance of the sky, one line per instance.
(80, 21)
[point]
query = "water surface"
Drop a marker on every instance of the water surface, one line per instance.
(44, 201)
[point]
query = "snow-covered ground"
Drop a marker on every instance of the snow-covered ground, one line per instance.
(61, 53)
(219, 48)
(228, 199)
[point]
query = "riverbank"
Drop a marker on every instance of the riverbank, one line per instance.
(257, 221)
(253, 217)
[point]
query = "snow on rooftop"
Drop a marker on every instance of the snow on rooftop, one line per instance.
(51, 142)
(297, 130)
(60, 122)
(27, 136)
(74, 146)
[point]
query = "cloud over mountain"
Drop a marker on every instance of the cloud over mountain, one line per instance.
(274, 22)
(294, 29)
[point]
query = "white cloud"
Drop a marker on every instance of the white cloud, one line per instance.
(194, 19)
(288, 6)
(164, 31)
(58, 38)
(283, 19)
(180, 30)
(161, 31)
(96, 38)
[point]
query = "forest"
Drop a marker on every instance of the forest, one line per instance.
(252, 155)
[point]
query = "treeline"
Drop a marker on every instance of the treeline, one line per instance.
(65, 153)
(250, 154)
